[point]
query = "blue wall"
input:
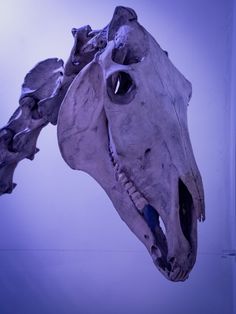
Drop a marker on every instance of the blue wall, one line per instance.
(63, 248)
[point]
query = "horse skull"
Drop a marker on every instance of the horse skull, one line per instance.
(124, 122)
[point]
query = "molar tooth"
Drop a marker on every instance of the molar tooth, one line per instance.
(140, 204)
(116, 166)
(135, 196)
(132, 190)
(123, 178)
(128, 185)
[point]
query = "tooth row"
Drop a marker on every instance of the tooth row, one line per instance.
(137, 198)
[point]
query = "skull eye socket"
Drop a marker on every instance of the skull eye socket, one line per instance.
(122, 83)
(121, 88)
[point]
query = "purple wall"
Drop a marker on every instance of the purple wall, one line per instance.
(63, 248)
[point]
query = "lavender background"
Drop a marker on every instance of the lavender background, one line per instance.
(63, 248)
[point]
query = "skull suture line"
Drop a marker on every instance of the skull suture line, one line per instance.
(123, 120)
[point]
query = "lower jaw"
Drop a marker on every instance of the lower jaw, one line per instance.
(159, 249)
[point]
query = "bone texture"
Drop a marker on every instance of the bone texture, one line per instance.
(120, 107)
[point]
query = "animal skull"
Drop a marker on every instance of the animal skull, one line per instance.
(124, 122)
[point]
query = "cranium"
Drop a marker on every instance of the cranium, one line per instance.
(121, 109)
(124, 122)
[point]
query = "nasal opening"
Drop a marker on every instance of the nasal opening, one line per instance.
(185, 210)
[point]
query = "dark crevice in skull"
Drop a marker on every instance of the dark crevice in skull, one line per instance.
(121, 87)
(185, 210)
(157, 227)
(166, 52)
(35, 112)
(123, 83)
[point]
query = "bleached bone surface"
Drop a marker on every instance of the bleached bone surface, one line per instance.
(121, 109)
